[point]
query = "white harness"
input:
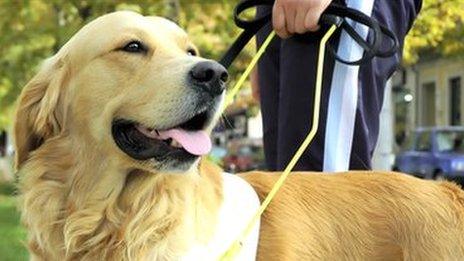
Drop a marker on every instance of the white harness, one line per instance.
(240, 204)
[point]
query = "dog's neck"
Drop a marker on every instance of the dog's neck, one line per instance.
(81, 205)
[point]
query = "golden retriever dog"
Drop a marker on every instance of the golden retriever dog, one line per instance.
(109, 136)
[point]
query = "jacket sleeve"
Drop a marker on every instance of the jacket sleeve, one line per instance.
(397, 15)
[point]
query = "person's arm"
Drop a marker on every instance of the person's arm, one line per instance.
(398, 16)
(297, 16)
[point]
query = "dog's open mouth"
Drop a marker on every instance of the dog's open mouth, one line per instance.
(183, 142)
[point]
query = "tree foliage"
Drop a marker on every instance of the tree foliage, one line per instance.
(32, 30)
(438, 30)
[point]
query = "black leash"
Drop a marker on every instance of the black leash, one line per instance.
(334, 15)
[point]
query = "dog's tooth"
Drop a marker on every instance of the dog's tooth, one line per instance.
(176, 144)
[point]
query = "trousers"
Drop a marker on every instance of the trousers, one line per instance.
(352, 96)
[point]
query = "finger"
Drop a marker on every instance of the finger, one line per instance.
(278, 20)
(300, 19)
(290, 13)
(311, 21)
(314, 15)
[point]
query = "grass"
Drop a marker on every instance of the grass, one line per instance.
(12, 234)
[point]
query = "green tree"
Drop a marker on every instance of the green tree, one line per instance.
(33, 30)
(438, 30)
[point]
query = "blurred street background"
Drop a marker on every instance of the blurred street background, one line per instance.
(421, 118)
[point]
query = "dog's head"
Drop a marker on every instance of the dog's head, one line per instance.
(128, 87)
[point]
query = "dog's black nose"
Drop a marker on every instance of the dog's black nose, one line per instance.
(210, 76)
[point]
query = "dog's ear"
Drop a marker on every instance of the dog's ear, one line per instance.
(38, 115)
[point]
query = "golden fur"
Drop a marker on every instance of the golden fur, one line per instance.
(83, 199)
(360, 216)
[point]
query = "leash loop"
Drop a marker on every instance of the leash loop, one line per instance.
(371, 47)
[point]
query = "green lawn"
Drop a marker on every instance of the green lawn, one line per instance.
(12, 235)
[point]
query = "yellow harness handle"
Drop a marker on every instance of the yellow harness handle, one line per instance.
(232, 251)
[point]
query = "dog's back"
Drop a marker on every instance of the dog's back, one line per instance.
(360, 216)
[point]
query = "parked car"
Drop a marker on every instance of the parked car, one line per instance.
(433, 153)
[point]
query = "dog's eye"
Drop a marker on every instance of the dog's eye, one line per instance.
(191, 52)
(134, 47)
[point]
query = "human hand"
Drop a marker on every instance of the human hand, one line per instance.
(297, 16)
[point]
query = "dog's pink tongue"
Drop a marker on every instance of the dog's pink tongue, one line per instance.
(195, 142)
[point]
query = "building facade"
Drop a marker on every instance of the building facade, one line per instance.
(429, 94)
